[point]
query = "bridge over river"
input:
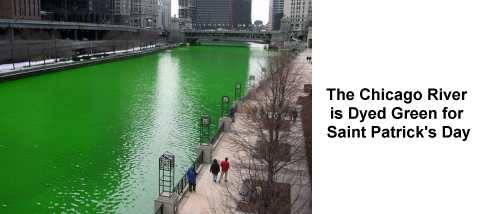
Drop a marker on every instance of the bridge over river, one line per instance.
(232, 35)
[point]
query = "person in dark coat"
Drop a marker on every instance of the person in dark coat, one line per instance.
(294, 115)
(191, 179)
(215, 170)
(232, 113)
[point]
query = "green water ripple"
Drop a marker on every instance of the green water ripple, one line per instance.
(87, 140)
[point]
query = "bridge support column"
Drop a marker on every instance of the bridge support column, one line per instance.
(11, 35)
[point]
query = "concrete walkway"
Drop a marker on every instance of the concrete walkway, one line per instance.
(213, 197)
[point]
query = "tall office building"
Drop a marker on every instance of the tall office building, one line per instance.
(275, 14)
(92, 11)
(298, 14)
(242, 13)
(121, 11)
(164, 15)
(225, 14)
(20, 9)
(144, 13)
(213, 14)
(187, 13)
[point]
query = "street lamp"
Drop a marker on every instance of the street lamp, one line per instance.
(166, 172)
(204, 129)
(225, 101)
(237, 91)
(251, 81)
(205, 120)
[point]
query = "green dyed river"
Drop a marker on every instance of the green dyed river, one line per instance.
(87, 140)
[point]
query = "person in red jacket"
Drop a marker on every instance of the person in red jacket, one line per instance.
(224, 170)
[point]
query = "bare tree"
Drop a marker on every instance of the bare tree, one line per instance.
(269, 164)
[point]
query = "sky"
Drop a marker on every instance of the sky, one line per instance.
(259, 9)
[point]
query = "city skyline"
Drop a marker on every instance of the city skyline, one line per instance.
(259, 10)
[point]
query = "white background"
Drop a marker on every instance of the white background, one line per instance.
(400, 45)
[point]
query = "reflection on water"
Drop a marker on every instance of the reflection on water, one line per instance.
(88, 140)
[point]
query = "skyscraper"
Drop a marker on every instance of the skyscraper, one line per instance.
(19, 9)
(187, 13)
(213, 14)
(93, 11)
(298, 14)
(164, 14)
(242, 13)
(226, 14)
(144, 13)
(275, 14)
(121, 11)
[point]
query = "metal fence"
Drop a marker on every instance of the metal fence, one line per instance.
(218, 133)
(181, 185)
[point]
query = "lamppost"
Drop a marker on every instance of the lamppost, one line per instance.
(204, 129)
(251, 81)
(237, 91)
(225, 102)
(166, 173)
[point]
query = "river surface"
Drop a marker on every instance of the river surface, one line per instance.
(87, 140)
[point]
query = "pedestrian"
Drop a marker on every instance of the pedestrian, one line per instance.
(294, 115)
(215, 170)
(224, 170)
(247, 110)
(232, 113)
(191, 178)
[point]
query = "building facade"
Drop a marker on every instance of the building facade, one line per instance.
(136, 13)
(215, 14)
(276, 12)
(144, 13)
(187, 13)
(122, 11)
(242, 13)
(20, 9)
(298, 14)
(92, 11)
(164, 15)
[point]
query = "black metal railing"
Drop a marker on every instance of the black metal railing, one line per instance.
(218, 134)
(181, 185)
(198, 161)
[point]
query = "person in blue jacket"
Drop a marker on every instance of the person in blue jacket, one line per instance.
(191, 178)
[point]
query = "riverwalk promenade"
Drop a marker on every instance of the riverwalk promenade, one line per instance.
(215, 198)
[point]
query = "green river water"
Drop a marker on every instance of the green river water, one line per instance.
(87, 140)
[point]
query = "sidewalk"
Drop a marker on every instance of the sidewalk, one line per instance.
(213, 197)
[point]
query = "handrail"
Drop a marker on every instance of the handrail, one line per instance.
(216, 137)
(181, 185)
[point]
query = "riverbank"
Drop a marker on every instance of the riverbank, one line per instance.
(211, 197)
(41, 67)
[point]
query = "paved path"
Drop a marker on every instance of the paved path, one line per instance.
(212, 197)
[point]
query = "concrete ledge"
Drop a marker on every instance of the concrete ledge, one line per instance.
(60, 67)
